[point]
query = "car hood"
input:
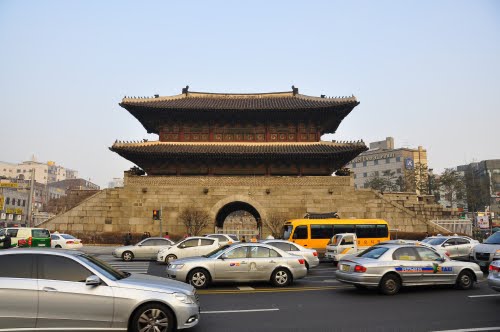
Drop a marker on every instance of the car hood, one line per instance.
(489, 248)
(155, 284)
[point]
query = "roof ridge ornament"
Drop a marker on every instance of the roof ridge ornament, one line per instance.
(185, 90)
(295, 91)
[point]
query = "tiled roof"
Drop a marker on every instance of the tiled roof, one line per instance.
(219, 101)
(237, 150)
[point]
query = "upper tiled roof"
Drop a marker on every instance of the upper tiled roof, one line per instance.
(237, 149)
(225, 101)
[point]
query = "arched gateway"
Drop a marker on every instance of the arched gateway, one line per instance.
(238, 135)
(238, 214)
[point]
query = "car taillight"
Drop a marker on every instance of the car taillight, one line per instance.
(302, 261)
(447, 254)
(69, 242)
(30, 241)
(315, 254)
(494, 268)
(359, 269)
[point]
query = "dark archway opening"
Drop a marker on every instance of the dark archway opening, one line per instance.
(241, 218)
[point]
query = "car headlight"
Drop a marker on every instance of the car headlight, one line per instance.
(497, 253)
(184, 298)
(176, 266)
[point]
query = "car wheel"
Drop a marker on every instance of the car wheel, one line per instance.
(281, 278)
(390, 284)
(170, 258)
(199, 278)
(127, 256)
(58, 246)
(153, 317)
(465, 280)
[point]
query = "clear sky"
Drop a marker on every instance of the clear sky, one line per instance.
(425, 72)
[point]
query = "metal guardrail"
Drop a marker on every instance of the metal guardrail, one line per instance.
(455, 226)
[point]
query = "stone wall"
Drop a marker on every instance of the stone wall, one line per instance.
(130, 208)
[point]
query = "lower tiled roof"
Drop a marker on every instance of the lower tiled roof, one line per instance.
(237, 150)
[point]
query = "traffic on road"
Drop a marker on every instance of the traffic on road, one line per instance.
(276, 281)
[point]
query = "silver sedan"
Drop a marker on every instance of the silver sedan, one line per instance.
(310, 255)
(390, 266)
(494, 276)
(54, 289)
(146, 249)
(244, 262)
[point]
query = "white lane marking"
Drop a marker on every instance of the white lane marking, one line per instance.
(245, 288)
(237, 311)
(496, 328)
(489, 295)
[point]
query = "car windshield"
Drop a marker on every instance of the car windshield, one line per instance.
(67, 236)
(234, 237)
(287, 231)
(103, 268)
(436, 241)
(216, 252)
(493, 239)
(373, 252)
(427, 239)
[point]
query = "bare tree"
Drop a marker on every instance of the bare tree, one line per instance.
(195, 220)
(275, 223)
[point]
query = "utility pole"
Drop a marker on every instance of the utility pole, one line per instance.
(161, 218)
(30, 199)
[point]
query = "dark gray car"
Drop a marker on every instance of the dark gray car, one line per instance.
(488, 251)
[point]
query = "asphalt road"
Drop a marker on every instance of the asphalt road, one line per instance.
(320, 303)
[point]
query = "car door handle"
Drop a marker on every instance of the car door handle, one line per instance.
(49, 289)
(272, 262)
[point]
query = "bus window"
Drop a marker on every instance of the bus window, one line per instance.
(321, 231)
(382, 231)
(287, 231)
(300, 232)
(344, 228)
(366, 231)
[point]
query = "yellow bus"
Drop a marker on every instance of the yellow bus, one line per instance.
(316, 233)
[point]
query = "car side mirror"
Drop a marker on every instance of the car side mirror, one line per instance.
(93, 280)
(182, 246)
(446, 244)
(223, 257)
(441, 259)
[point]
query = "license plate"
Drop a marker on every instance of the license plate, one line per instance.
(344, 268)
(77, 242)
(41, 245)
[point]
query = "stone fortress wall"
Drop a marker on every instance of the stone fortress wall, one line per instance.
(130, 208)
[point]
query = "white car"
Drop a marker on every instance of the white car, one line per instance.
(190, 247)
(455, 247)
(310, 255)
(65, 241)
(224, 238)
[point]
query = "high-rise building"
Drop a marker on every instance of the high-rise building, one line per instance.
(383, 156)
(483, 185)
